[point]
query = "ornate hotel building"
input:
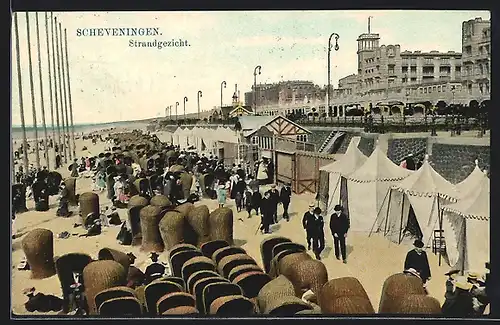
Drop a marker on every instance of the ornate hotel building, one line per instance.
(389, 76)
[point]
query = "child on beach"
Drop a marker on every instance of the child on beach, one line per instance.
(221, 195)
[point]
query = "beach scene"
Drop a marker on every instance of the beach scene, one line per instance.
(340, 169)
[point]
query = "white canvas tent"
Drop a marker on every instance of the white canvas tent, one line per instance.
(339, 170)
(176, 136)
(413, 206)
(467, 228)
(471, 182)
(367, 188)
(183, 137)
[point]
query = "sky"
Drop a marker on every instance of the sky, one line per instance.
(111, 81)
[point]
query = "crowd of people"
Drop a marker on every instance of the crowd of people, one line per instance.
(252, 187)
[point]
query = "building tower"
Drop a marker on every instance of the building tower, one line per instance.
(368, 46)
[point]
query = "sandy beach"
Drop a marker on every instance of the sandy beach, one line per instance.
(370, 259)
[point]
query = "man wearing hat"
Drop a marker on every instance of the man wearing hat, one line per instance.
(417, 259)
(460, 305)
(339, 225)
(309, 224)
(479, 298)
(285, 196)
(275, 199)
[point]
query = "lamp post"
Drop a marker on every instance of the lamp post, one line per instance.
(185, 100)
(222, 85)
(176, 115)
(329, 54)
(200, 94)
(255, 88)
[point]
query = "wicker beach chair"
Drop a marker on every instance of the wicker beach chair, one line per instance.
(157, 289)
(38, 247)
(208, 249)
(217, 290)
(195, 264)
(252, 282)
(174, 300)
(178, 259)
(240, 269)
(219, 254)
(266, 250)
(229, 262)
(112, 293)
(200, 285)
(198, 276)
(119, 307)
(232, 306)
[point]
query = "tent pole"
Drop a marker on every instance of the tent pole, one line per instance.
(440, 215)
(387, 214)
(401, 224)
(464, 236)
(378, 213)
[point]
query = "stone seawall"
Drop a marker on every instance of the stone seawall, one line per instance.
(452, 157)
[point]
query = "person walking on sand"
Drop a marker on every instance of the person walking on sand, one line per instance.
(221, 195)
(339, 225)
(266, 209)
(308, 224)
(318, 235)
(417, 259)
(285, 196)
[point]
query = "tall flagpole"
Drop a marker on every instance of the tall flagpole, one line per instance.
(46, 146)
(32, 88)
(20, 91)
(63, 68)
(54, 142)
(69, 94)
(59, 78)
(58, 142)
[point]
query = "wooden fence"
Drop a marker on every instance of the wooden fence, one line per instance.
(301, 169)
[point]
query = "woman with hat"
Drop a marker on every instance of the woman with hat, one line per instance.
(460, 305)
(479, 298)
(417, 259)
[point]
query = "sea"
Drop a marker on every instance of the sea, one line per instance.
(17, 133)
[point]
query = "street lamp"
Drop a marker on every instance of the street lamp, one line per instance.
(170, 111)
(185, 100)
(329, 54)
(222, 85)
(200, 94)
(176, 115)
(255, 88)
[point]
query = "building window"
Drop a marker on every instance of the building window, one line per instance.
(487, 86)
(481, 88)
(428, 61)
(481, 69)
(469, 89)
(458, 68)
(254, 140)
(421, 90)
(390, 51)
(439, 89)
(413, 79)
(487, 67)
(468, 50)
(413, 69)
(434, 89)
(444, 88)
(425, 90)
(404, 69)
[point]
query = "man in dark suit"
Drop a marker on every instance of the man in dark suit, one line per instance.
(275, 199)
(417, 259)
(309, 225)
(339, 225)
(266, 209)
(318, 233)
(285, 195)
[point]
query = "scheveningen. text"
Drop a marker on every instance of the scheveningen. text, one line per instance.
(149, 31)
